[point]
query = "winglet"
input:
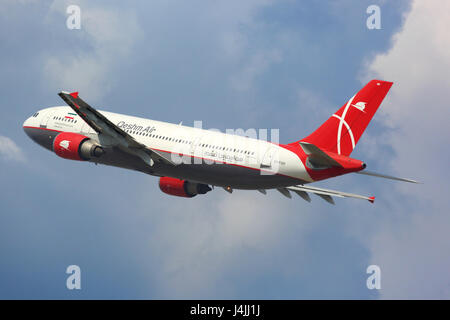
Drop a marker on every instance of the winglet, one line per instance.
(371, 199)
(74, 94)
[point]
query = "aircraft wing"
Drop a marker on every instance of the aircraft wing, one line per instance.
(325, 194)
(108, 130)
(385, 176)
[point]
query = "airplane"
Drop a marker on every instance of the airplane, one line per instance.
(191, 161)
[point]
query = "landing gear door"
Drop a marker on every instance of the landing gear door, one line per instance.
(194, 145)
(267, 159)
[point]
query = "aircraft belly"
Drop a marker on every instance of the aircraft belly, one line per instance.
(227, 175)
(42, 136)
(217, 174)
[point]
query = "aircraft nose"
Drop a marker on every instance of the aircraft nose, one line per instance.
(37, 133)
(27, 123)
(27, 127)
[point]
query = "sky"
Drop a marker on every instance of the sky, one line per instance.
(284, 65)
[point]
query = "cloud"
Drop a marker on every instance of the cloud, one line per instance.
(412, 246)
(215, 61)
(202, 243)
(10, 151)
(109, 33)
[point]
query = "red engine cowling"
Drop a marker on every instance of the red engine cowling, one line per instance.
(182, 188)
(74, 146)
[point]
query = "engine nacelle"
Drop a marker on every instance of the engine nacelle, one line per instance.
(74, 146)
(182, 188)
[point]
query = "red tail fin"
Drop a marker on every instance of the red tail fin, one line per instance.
(341, 132)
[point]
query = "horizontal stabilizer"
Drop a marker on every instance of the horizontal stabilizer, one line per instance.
(379, 175)
(317, 156)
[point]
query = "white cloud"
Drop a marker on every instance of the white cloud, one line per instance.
(9, 150)
(412, 247)
(200, 243)
(111, 33)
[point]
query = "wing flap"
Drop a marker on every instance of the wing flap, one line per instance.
(303, 195)
(327, 198)
(327, 194)
(285, 192)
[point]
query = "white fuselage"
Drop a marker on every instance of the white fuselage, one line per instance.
(202, 155)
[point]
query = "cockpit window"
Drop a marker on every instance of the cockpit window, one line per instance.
(36, 114)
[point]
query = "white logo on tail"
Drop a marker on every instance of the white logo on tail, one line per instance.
(360, 106)
(343, 122)
(65, 144)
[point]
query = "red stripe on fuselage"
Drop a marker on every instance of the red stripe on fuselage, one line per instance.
(30, 127)
(208, 159)
(228, 163)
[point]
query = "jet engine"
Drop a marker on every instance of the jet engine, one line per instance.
(75, 146)
(182, 188)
